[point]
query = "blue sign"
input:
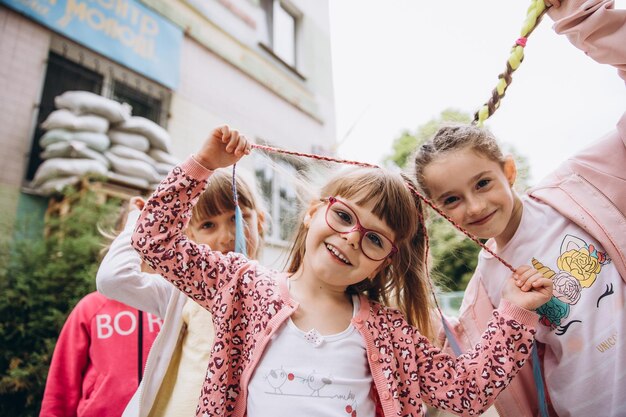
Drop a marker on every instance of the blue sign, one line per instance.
(124, 30)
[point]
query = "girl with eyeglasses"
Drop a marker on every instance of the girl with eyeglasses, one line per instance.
(322, 338)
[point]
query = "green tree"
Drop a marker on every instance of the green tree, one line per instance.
(453, 256)
(404, 146)
(40, 282)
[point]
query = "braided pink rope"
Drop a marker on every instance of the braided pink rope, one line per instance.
(410, 186)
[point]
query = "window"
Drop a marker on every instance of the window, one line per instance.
(143, 105)
(282, 21)
(284, 34)
(73, 67)
(280, 196)
(61, 75)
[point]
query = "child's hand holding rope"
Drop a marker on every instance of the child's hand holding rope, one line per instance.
(527, 288)
(223, 148)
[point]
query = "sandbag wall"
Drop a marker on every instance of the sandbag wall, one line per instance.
(92, 135)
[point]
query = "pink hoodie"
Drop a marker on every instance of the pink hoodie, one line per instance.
(95, 367)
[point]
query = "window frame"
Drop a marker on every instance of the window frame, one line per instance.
(270, 7)
(112, 75)
(276, 222)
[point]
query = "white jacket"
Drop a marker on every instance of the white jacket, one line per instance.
(120, 278)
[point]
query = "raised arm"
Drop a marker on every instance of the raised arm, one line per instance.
(196, 270)
(120, 276)
(595, 27)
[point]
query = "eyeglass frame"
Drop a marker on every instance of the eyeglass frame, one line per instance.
(357, 227)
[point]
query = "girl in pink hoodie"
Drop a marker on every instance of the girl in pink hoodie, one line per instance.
(571, 227)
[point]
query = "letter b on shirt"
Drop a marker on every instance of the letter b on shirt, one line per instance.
(124, 323)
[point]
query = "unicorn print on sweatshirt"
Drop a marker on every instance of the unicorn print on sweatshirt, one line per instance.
(579, 265)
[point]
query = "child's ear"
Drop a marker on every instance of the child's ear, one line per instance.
(313, 207)
(510, 169)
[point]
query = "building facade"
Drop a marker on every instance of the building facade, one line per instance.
(262, 66)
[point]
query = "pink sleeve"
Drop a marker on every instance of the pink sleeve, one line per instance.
(595, 27)
(69, 362)
(470, 383)
(194, 269)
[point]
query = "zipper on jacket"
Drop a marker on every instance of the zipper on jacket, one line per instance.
(147, 368)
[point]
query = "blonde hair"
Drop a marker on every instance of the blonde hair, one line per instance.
(403, 282)
(452, 137)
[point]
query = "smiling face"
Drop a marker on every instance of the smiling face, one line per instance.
(337, 258)
(218, 232)
(476, 192)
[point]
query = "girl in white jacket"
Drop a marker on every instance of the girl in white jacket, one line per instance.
(177, 362)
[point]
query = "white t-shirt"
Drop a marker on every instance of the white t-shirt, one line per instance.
(305, 374)
(583, 325)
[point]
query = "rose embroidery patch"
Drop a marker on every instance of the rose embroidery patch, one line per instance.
(579, 265)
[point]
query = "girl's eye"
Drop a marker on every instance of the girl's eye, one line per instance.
(207, 225)
(375, 239)
(450, 200)
(483, 183)
(343, 216)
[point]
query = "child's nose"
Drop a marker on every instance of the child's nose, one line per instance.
(475, 205)
(227, 234)
(353, 238)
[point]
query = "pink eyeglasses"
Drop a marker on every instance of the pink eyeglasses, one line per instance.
(342, 219)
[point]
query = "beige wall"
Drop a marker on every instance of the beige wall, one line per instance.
(212, 92)
(23, 54)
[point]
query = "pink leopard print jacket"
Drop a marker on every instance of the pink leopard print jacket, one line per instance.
(249, 303)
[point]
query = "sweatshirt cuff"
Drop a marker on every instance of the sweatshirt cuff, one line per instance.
(195, 169)
(519, 314)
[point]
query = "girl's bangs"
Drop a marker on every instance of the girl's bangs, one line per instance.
(218, 197)
(388, 193)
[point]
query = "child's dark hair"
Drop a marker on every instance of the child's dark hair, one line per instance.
(452, 137)
(402, 283)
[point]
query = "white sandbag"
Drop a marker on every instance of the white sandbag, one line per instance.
(158, 137)
(65, 119)
(132, 140)
(56, 185)
(72, 149)
(130, 153)
(64, 167)
(162, 156)
(128, 180)
(97, 141)
(81, 102)
(163, 168)
(133, 167)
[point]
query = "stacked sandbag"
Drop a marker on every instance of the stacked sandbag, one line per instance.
(92, 135)
(140, 152)
(75, 139)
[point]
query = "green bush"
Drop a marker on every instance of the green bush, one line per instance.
(40, 282)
